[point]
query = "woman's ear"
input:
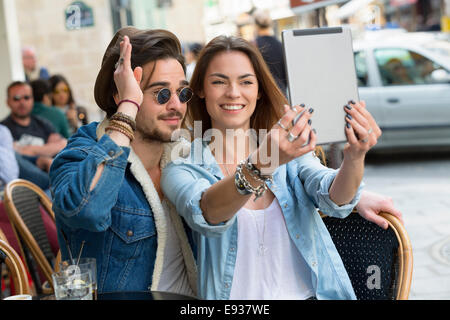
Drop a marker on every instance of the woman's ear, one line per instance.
(201, 95)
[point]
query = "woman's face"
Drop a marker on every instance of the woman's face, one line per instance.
(230, 90)
(61, 94)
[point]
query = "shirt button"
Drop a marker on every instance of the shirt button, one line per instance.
(129, 233)
(297, 236)
(314, 263)
(232, 249)
(285, 205)
(226, 285)
(111, 153)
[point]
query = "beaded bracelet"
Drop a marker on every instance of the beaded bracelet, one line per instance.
(128, 100)
(125, 132)
(255, 172)
(122, 124)
(120, 116)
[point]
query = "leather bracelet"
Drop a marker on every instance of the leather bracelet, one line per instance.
(128, 100)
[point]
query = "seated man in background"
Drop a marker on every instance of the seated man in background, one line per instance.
(35, 139)
(42, 95)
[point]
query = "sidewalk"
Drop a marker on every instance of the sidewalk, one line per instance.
(421, 190)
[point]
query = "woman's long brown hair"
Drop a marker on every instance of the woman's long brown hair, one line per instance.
(268, 107)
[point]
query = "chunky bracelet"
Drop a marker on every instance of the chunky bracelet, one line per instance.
(242, 183)
(128, 100)
(120, 116)
(255, 172)
(123, 131)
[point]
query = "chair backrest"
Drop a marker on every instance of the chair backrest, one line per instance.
(378, 261)
(2, 236)
(16, 268)
(23, 201)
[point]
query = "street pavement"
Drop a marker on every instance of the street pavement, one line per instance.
(419, 185)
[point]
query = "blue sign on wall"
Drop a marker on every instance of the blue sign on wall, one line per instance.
(78, 15)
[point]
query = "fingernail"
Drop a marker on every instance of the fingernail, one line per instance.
(311, 110)
(349, 117)
(309, 121)
(347, 125)
(352, 102)
(314, 130)
(302, 105)
(348, 107)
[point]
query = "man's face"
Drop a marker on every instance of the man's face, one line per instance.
(20, 101)
(29, 60)
(157, 121)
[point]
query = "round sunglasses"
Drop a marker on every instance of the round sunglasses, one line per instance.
(163, 96)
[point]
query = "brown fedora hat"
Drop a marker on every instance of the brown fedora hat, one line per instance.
(147, 45)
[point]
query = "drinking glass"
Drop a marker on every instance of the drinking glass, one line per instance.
(84, 265)
(72, 285)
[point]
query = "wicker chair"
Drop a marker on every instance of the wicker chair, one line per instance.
(367, 249)
(15, 267)
(23, 201)
(3, 236)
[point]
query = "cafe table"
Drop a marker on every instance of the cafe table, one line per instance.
(131, 295)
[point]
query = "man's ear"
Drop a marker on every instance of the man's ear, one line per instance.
(116, 98)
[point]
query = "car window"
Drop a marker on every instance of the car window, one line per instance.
(361, 68)
(404, 67)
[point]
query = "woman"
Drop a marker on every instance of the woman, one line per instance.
(62, 98)
(254, 217)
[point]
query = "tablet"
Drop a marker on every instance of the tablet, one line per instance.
(321, 74)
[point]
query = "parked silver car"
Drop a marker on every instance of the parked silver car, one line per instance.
(405, 81)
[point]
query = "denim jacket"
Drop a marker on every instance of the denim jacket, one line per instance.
(300, 187)
(121, 220)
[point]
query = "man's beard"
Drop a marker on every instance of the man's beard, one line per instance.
(153, 133)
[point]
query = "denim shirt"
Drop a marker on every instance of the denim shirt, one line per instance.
(300, 187)
(118, 219)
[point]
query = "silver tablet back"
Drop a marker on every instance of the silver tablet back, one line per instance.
(321, 74)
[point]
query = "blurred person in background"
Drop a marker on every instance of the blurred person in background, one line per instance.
(31, 67)
(62, 98)
(191, 58)
(270, 47)
(9, 169)
(42, 95)
(35, 140)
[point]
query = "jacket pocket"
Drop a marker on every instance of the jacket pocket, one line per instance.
(131, 226)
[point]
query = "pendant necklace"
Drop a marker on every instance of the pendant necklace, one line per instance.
(262, 249)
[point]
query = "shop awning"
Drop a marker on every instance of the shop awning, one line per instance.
(351, 8)
(308, 5)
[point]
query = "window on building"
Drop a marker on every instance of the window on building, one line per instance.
(121, 14)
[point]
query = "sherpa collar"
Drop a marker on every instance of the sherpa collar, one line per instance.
(140, 173)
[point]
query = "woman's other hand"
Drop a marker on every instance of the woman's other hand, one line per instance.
(361, 129)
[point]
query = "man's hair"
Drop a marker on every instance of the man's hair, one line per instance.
(15, 84)
(40, 88)
(268, 107)
(147, 46)
(262, 19)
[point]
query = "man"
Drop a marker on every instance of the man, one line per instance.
(43, 107)
(107, 198)
(32, 70)
(35, 140)
(270, 47)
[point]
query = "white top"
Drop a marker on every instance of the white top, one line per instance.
(281, 273)
(174, 275)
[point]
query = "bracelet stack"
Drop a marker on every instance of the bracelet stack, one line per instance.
(243, 186)
(122, 123)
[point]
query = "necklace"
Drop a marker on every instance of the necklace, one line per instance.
(262, 249)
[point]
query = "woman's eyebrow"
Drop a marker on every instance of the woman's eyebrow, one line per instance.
(221, 75)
